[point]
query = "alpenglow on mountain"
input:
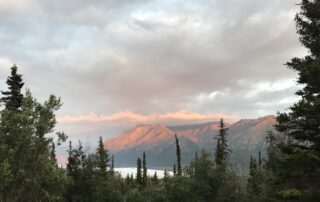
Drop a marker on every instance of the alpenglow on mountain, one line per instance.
(245, 137)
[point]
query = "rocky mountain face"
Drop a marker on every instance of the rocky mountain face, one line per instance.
(245, 137)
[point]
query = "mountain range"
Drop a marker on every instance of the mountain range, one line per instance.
(245, 137)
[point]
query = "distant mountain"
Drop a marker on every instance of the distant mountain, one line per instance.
(245, 138)
(156, 140)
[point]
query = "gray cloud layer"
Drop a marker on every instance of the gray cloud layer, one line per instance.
(154, 56)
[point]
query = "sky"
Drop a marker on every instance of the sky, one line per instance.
(116, 63)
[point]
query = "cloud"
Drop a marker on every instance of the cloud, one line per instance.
(150, 59)
(89, 127)
(253, 99)
(180, 116)
(129, 116)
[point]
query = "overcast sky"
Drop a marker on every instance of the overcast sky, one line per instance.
(119, 63)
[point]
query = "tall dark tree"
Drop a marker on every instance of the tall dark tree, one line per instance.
(139, 172)
(53, 153)
(218, 152)
(76, 158)
(165, 175)
(27, 172)
(155, 178)
(13, 97)
(112, 165)
(201, 172)
(258, 182)
(102, 157)
(253, 186)
(103, 188)
(222, 151)
(297, 172)
(178, 153)
(260, 159)
(144, 169)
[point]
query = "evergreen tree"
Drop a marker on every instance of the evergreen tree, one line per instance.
(104, 183)
(203, 182)
(258, 183)
(131, 178)
(155, 178)
(139, 179)
(127, 180)
(74, 171)
(218, 153)
(252, 183)
(144, 169)
(260, 159)
(13, 97)
(102, 157)
(166, 175)
(53, 153)
(297, 171)
(174, 169)
(112, 165)
(222, 151)
(26, 168)
(88, 183)
(178, 153)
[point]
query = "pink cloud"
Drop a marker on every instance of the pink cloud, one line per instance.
(129, 116)
(184, 115)
(181, 115)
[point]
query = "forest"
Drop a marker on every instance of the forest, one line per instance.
(291, 172)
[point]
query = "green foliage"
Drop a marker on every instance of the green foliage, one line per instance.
(155, 178)
(112, 165)
(259, 187)
(102, 158)
(13, 97)
(222, 151)
(202, 177)
(231, 189)
(178, 153)
(134, 195)
(290, 194)
(144, 170)
(28, 169)
(296, 157)
(139, 179)
(178, 189)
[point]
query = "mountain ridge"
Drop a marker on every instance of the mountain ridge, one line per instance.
(246, 137)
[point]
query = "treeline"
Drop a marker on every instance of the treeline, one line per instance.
(29, 169)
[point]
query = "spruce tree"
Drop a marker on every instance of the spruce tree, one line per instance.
(53, 153)
(144, 168)
(155, 178)
(218, 153)
(13, 97)
(260, 158)
(178, 153)
(127, 180)
(166, 175)
(102, 157)
(112, 165)
(252, 186)
(222, 151)
(139, 173)
(174, 169)
(131, 178)
(297, 167)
